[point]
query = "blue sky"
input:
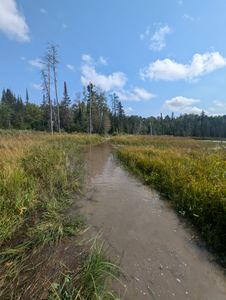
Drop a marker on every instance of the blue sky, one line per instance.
(159, 56)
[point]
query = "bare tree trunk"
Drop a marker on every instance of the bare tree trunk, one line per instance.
(54, 62)
(57, 101)
(90, 116)
(50, 101)
(46, 87)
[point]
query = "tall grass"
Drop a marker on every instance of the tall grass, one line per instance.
(34, 168)
(91, 281)
(39, 174)
(190, 173)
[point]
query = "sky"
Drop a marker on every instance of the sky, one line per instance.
(159, 56)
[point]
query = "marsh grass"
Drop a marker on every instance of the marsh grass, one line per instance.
(192, 174)
(91, 281)
(39, 175)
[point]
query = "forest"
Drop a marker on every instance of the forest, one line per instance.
(94, 111)
(97, 112)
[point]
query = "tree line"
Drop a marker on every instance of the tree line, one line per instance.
(94, 111)
(89, 113)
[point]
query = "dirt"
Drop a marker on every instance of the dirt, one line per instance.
(157, 251)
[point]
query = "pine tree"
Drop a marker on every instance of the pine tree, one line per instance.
(65, 109)
(114, 112)
(27, 97)
(121, 116)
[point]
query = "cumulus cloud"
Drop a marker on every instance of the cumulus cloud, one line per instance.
(168, 69)
(107, 83)
(183, 105)
(158, 40)
(180, 101)
(113, 82)
(70, 67)
(12, 21)
(37, 63)
(137, 95)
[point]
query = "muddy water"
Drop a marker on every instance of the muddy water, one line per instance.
(156, 250)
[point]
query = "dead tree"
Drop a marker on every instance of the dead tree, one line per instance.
(46, 88)
(52, 57)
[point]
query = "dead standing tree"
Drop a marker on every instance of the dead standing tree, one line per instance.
(50, 62)
(89, 104)
(46, 89)
(52, 59)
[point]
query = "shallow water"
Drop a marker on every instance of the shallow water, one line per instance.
(156, 250)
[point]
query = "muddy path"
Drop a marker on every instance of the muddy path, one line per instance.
(155, 248)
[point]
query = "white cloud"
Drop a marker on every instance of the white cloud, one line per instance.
(168, 69)
(183, 105)
(87, 58)
(219, 103)
(70, 67)
(188, 18)
(37, 63)
(36, 86)
(114, 82)
(43, 10)
(137, 95)
(218, 108)
(180, 101)
(102, 61)
(158, 40)
(107, 83)
(193, 110)
(143, 94)
(12, 21)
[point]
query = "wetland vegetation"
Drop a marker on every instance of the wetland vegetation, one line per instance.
(40, 178)
(190, 173)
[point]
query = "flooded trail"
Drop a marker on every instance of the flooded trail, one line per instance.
(156, 250)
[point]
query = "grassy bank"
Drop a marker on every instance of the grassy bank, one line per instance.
(40, 175)
(192, 174)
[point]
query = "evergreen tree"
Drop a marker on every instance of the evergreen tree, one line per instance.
(92, 114)
(65, 111)
(27, 97)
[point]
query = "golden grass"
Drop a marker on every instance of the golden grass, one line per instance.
(192, 174)
(39, 173)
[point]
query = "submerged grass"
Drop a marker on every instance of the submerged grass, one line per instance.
(192, 174)
(91, 281)
(39, 174)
